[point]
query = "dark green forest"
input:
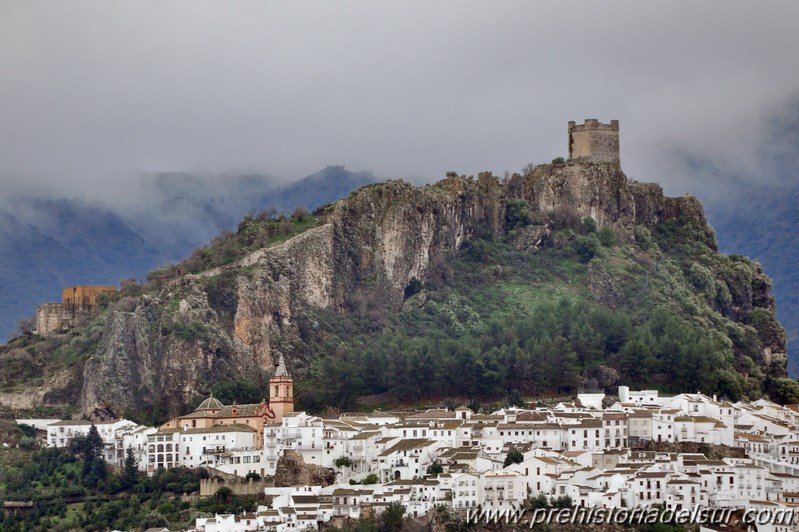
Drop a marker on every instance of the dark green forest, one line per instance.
(499, 323)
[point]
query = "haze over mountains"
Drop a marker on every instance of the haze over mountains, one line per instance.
(48, 243)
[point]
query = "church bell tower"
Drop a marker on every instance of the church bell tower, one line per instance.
(281, 391)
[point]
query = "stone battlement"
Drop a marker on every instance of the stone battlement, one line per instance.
(594, 141)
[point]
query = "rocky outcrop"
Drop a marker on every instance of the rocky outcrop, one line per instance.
(293, 471)
(49, 392)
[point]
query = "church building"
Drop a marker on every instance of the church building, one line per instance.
(212, 412)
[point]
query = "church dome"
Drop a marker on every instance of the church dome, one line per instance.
(211, 403)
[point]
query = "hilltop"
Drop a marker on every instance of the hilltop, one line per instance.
(567, 276)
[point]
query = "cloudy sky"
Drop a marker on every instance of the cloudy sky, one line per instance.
(92, 94)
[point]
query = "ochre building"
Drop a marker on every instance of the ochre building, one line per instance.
(76, 302)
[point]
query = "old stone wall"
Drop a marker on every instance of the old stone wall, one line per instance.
(57, 317)
(237, 485)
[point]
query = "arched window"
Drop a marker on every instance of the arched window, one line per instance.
(160, 447)
(169, 447)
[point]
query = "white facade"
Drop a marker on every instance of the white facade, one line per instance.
(212, 445)
(61, 433)
(505, 489)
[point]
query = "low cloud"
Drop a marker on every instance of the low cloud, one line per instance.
(93, 94)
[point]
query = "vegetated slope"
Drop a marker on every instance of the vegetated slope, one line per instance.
(567, 276)
(47, 244)
(765, 228)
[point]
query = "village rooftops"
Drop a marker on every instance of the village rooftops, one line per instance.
(432, 414)
(407, 445)
(485, 418)
(71, 423)
(365, 435)
(751, 437)
(305, 499)
(530, 416)
(414, 482)
(217, 428)
(338, 492)
(651, 474)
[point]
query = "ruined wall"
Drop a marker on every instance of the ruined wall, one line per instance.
(238, 485)
(77, 302)
(594, 141)
(57, 317)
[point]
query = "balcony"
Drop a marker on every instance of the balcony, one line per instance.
(214, 450)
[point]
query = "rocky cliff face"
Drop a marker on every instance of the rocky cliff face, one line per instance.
(292, 470)
(226, 321)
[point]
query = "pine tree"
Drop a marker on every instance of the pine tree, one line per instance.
(129, 473)
(92, 450)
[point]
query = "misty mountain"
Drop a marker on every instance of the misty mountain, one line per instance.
(46, 244)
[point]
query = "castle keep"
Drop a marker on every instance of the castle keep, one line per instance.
(594, 141)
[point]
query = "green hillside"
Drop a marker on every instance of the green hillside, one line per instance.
(585, 311)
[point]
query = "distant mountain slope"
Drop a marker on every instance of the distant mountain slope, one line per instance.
(766, 228)
(325, 186)
(46, 244)
(65, 242)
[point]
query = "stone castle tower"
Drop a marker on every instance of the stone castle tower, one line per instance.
(281, 391)
(594, 141)
(77, 302)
